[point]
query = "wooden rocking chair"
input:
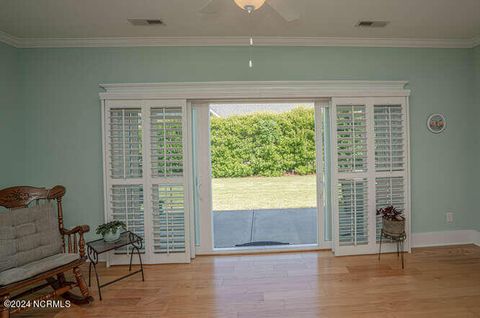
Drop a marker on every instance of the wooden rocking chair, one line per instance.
(32, 251)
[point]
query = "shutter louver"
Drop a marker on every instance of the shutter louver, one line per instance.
(168, 218)
(351, 138)
(389, 191)
(352, 212)
(167, 141)
(127, 206)
(389, 139)
(125, 143)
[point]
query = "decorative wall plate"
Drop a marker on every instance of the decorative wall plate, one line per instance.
(436, 123)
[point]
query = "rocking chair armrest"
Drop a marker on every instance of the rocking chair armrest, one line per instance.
(80, 229)
(68, 233)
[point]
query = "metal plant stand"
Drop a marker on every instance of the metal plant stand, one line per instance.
(399, 239)
(97, 247)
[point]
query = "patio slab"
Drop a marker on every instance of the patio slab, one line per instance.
(293, 226)
(232, 227)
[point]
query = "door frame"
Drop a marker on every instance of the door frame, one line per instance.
(204, 181)
(217, 91)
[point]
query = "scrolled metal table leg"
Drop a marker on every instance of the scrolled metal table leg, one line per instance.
(403, 263)
(131, 258)
(90, 274)
(141, 264)
(98, 281)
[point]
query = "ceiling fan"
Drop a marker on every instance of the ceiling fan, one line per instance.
(284, 8)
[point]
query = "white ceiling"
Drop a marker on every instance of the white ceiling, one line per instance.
(414, 19)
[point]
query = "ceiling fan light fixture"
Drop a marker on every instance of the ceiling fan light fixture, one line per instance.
(250, 5)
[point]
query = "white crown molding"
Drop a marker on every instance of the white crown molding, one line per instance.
(253, 90)
(365, 42)
(234, 41)
(241, 41)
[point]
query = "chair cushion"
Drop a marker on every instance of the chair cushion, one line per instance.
(28, 235)
(7, 241)
(34, 268)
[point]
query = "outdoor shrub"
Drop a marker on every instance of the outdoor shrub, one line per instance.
(264, 144)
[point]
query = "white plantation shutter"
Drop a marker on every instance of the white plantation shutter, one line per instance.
(169, 213)
(389, 138)
(351, 138)
(390, 158)
(369, 168)
(167, 142)
(352, 212)
(145, 176)
(169, 218)
(125, 131)
(389, 191)
(350, 180)
(123, 141)
(127, 206)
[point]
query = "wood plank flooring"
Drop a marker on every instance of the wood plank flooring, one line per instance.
(437, 282)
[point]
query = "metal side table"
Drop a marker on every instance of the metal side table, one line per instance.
(399, 239)
(97, 247)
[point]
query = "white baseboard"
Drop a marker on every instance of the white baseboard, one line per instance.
(446, 238)
(477, 241)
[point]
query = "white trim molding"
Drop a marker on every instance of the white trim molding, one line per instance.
(477, 240)
(20, 42)
(445, 238)
(254, 89)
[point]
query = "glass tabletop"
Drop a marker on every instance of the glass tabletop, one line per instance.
(126, 238)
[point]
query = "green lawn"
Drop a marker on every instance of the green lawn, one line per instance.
(264, 193)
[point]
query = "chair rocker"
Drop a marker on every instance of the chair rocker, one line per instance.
(36, 250)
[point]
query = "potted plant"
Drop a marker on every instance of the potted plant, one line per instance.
(393, 220)
(111, 230)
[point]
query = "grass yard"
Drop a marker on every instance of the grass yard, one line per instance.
(264, 193)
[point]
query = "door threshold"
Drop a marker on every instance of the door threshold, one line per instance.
(265, 249)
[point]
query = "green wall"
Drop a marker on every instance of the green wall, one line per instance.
(476, 54)
(477, 71)
(476, 143)
(59, 90)
(12, 133)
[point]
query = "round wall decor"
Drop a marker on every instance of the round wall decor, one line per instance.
(436, 123)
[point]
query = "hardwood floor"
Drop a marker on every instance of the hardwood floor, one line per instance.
(437, 282)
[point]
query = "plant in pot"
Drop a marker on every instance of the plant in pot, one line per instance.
(111, 230)
(393, 220)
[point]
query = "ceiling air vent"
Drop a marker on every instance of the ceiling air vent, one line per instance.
(372, 24)
(146, 21)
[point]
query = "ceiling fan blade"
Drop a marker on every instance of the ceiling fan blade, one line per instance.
(212, 6)
(286, 9)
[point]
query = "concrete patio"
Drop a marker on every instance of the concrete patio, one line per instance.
(292, 226)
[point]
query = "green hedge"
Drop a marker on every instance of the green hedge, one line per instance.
(264, 144)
